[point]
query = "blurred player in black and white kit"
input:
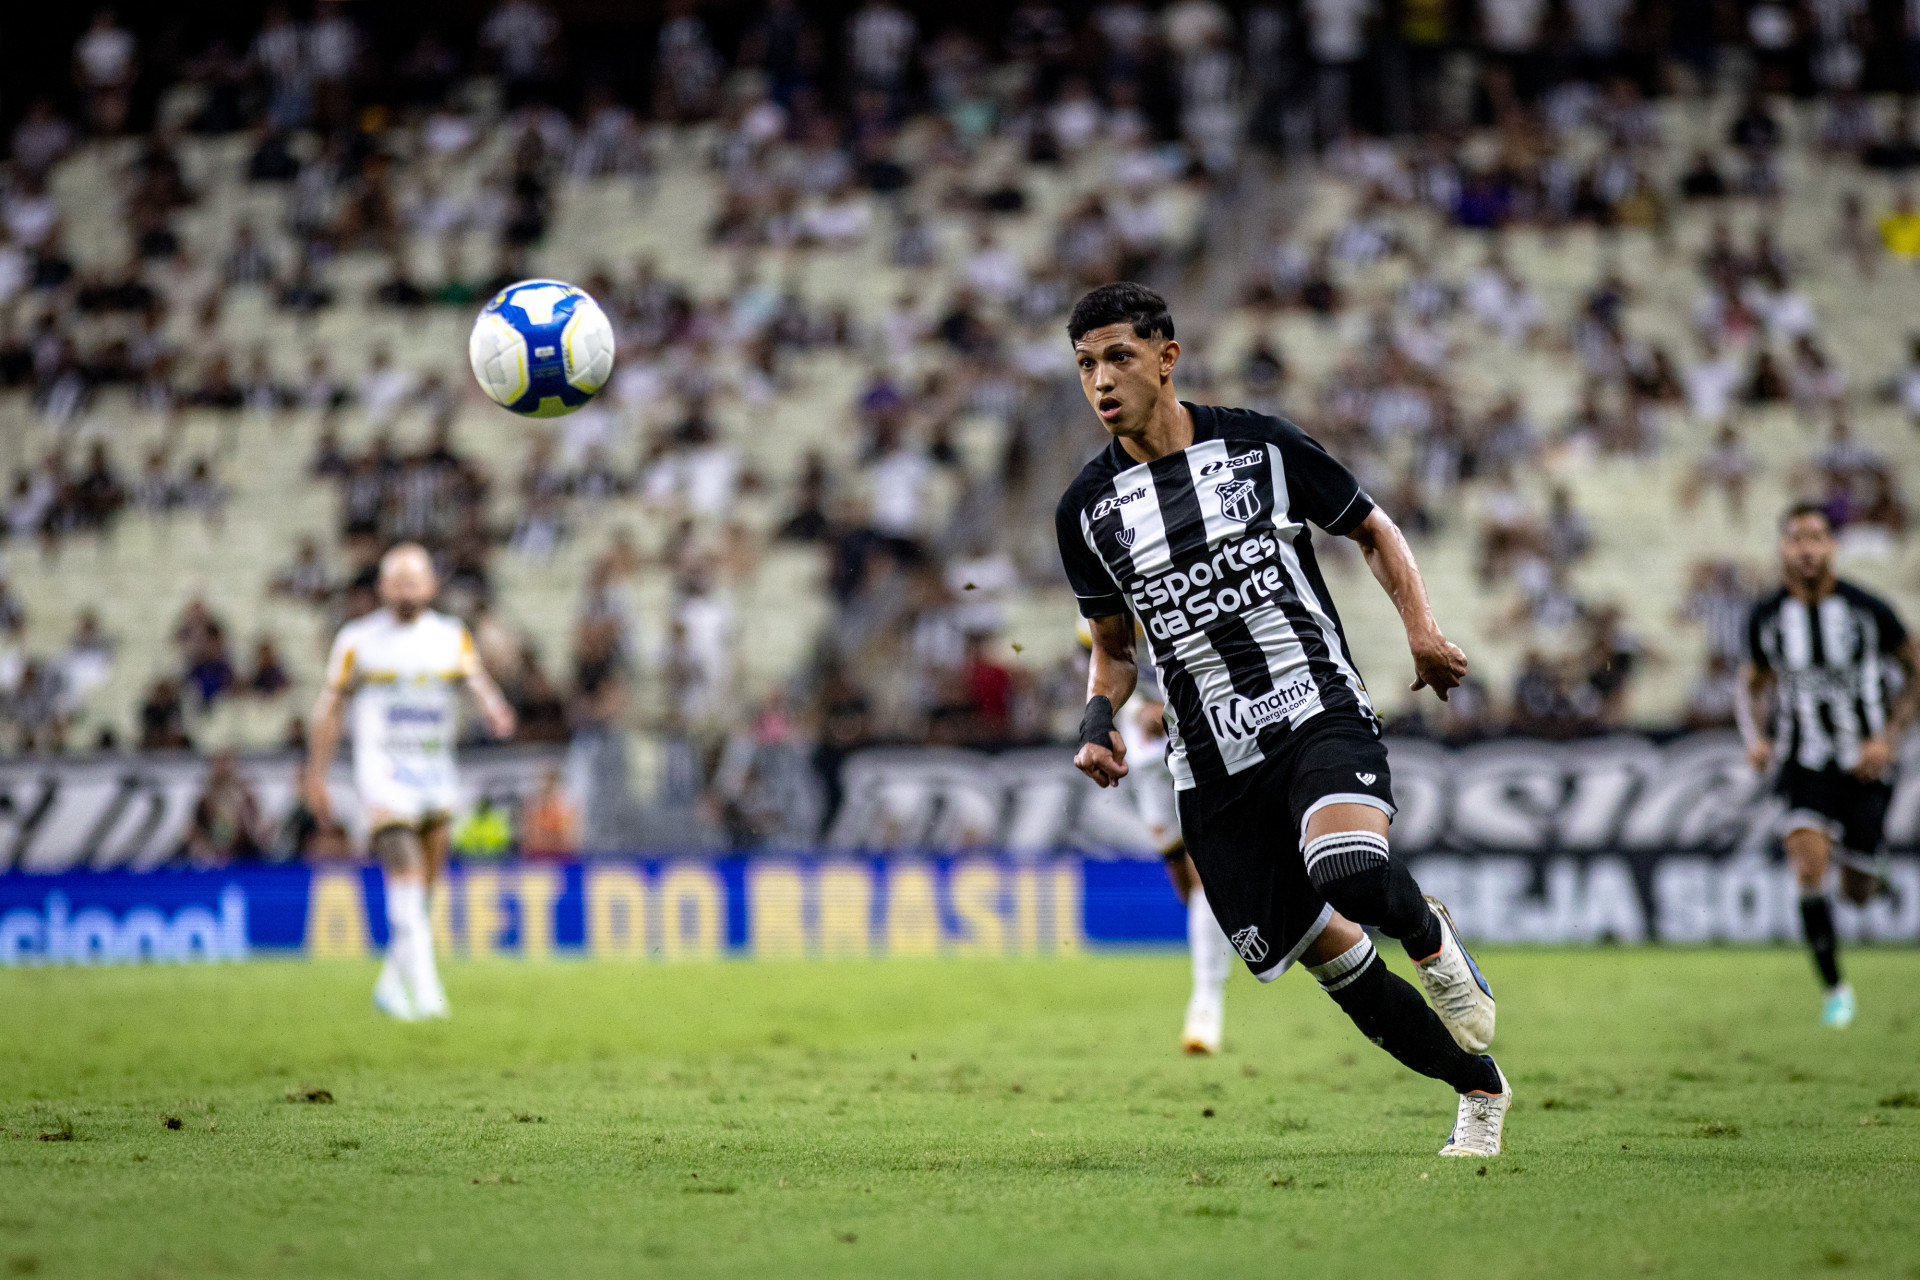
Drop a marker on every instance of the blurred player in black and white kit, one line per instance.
(1833, 672)
(1142, 727)
(1194, 518)
(397, 673)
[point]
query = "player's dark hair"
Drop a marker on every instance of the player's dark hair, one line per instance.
(1122, 302)
(1799, 509)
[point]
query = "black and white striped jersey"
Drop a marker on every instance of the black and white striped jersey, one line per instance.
(1835, 671)
(1208, 547)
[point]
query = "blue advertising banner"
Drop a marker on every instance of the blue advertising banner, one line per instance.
(666, 908)
(859, 905)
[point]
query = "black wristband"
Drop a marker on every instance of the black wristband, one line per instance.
(1096, 722)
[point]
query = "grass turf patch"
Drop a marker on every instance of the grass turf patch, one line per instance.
(1679, 1113)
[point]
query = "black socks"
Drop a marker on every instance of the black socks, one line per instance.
(1392, 1014)
(1816, 919)
(1413, 921)
(1380, 893)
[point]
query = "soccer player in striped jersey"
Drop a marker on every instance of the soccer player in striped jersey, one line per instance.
(1194, 518)
(1840, 673)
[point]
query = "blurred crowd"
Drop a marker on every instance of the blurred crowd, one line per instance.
(447, 157)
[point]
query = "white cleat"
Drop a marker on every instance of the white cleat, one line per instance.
(1478, 1124)
(1456, 988)
(1838, 1008)
(390, 996)
(1201, 1034)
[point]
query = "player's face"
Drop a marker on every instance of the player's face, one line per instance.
(1122, 374)
(1806, 548)
(407, 586)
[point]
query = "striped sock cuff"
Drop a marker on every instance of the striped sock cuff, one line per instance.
(1345, 967)
(1344, 853)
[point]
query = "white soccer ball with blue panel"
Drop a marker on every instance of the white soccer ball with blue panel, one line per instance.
(541, 348)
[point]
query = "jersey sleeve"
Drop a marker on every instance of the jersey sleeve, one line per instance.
(1893, 634)
(1318, 487)
(467, 660)
(1093, 585)
(340, 663)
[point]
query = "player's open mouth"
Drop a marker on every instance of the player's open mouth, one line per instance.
(1109, 409)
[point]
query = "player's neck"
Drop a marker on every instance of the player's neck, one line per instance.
(1168, 429)
(1811, 590)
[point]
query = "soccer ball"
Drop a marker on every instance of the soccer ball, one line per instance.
(541, 348)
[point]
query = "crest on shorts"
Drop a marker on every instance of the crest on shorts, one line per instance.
(1251, 946)
(1239, 500)
(1127, 537)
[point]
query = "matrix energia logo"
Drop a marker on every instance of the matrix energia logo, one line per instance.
(1237, 718)
(58, 934)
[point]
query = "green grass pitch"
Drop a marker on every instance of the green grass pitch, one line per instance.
(1679, 1113)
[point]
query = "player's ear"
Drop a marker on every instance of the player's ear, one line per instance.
(1169, 357)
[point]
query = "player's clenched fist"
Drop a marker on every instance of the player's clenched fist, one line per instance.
(1103, 753)
(1105, 765)
(1876, 757)
(1438, 664)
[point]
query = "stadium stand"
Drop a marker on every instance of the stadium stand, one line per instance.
(1581, 341)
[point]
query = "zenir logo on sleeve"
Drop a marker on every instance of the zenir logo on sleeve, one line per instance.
(1239, 500)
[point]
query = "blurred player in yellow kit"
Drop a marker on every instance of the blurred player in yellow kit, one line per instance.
(395, 672)
(1142, 725)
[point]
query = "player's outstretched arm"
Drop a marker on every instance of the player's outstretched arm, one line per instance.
(1111, 676)
(1437, 663)
(1877, 753)
(1749, 713)
(325, 725)
(494, 707)
(1908, 707)
(323, 739)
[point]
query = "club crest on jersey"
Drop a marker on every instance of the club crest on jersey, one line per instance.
(1127, 537)
(1239, 500)
(1251, 946)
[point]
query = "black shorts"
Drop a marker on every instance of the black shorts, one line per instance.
(1850, 809)
(1245, 834)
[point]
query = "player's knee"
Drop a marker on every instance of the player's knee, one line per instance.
(398, 848)
(1352, 871)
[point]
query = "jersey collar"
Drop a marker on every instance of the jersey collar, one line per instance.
(1206, 426)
